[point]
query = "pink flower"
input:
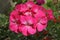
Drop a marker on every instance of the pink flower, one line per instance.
(27, 25)
(27, 19)
(43, 9)
(21, 7)
(41, 21)
(13, 26)
(27, 30)
(40, 2)
(35, 8)
(50, 14)
(30, 4)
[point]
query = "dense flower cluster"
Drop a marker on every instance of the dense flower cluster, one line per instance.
(29, 18)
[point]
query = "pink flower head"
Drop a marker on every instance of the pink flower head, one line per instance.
(27, 19)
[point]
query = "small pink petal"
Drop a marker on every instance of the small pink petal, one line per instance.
(11, 19)
(13, 27)
(29, 19)
(40, 2)
(23, 20)
(50, 14)
(30, 4)
(31, 30)
(28, 13)
(14, 14)
(35, 8)
(43, 9)
(40, 27)
(23, 8)
(17, 7)
(43, 20)
(40, 14)
(24, 31)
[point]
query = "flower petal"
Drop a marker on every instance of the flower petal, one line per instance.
(31, 30)
(23, 20)
(50, 14)
(30, 4)
(39, 14)
(40, 27)
(23, 8)
(35, 8)
(13, 27)
(24, 31)
(43, 20)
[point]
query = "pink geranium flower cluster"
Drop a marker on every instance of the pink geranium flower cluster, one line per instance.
(28, 18)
